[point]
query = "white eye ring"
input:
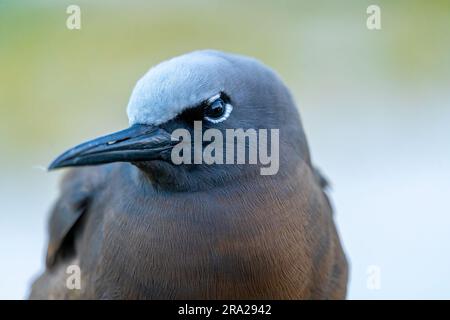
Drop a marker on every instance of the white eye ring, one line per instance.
(226, 114)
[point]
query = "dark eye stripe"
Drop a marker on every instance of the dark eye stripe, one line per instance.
(202, 111)
(216, 109)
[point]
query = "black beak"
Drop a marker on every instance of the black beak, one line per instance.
(137, 143)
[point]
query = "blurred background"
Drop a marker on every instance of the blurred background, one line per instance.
(375, 106)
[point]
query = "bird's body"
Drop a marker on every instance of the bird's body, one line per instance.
(150, 231)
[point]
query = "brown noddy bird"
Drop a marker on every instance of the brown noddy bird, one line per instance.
(139, 226)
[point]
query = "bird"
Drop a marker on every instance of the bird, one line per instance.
(139, 226)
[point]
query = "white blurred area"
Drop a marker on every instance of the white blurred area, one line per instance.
(375, 106)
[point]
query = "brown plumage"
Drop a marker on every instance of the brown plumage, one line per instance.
(146, 229)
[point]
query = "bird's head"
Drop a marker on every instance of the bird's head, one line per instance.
(194, 93)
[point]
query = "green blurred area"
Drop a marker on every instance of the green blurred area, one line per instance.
(56, 83)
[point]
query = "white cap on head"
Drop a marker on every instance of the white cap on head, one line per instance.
(173, 85)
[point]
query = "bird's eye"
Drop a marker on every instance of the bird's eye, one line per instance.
(217, 110)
